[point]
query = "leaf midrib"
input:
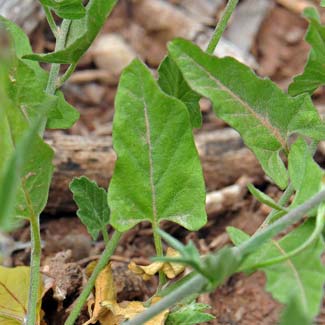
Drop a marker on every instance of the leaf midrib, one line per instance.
(246, 105)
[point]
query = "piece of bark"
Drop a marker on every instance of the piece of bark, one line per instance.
(224, 160)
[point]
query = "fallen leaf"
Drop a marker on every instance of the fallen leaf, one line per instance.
(14, 288)
(170, 269)
(107, 311)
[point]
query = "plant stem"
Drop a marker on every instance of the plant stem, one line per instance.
(67, 75)
(221, 26)
(51, 22)
(284, 199)
(107, 253)
(315, 234)
(159, 252)
(55, 68)
(198, 282)
(34, 270)
(105, 235)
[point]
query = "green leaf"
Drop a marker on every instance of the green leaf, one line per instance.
(25, 162)
(262, 197)
(237, 236)
(322, 3)
(263, 114)
(314, 73)
(305, 174)
(294, 313)
(68, 9)
(172, 83)
(14, 287)
(81, 35)
(189, 314)
(158, 174)
(92, 203)
(28, 83)
(302, 275)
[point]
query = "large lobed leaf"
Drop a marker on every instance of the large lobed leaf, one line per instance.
(92, 203)
(69, 9)
(264, 115)
(81, 34)
(314, 72)
(302, 276)
(172, 83)
(157, 174)
(28, 82)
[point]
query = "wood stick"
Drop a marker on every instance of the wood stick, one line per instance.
(224, 160)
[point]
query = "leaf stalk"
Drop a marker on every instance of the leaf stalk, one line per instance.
(221, 26)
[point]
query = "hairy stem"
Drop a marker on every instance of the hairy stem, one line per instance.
(320, 221)
(105, 235)
(55, 68)
(284, 199)
(34, 271)
(159, 252)
(221, 26)
(107, 253)
(67, 74)
(51, 22)
(198, 282)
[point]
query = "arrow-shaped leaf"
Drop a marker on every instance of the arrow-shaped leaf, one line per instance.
(157, 174)
(264, 115)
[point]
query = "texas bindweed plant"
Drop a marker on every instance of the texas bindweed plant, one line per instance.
(158, 175)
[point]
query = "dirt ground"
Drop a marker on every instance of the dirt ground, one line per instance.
(278, 51)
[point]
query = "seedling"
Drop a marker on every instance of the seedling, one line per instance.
(158, 175)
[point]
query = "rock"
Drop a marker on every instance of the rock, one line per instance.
(111, 53)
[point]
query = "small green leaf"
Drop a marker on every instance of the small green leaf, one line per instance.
(27, 84)
(93, 209)
(237, 236)
(294, 313)
(305, 174)
(253, 106)
(322, 3)
(68, 9)
(157, 174)
(314, 73)
(172, 83)
(189, 314)
(263, 198)
(81, 34)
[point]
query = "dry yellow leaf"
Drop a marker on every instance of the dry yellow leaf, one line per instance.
(107, 311)
(170, 269)
(14, 288)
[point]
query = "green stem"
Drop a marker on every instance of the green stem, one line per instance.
(34, 270)
(284, 199)
(221, 26)
(105, 235)
(159, 253)
(51, 21)
(66, 75)
(320, 221)
(107, 253)
(55, 68)
(198, 282)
